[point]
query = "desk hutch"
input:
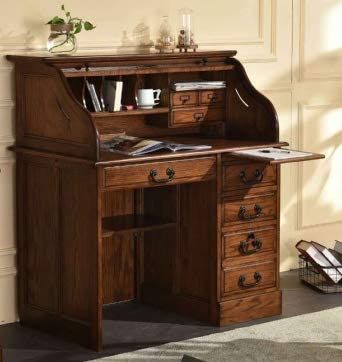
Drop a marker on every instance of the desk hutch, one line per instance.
(196, 232)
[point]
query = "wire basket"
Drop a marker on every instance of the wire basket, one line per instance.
(309, 275)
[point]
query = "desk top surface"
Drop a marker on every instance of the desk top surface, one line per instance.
(218, 146)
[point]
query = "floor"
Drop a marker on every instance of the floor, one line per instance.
(130, 326)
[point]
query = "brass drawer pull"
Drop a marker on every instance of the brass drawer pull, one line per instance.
(212, 97)
(244, 216)
(258, 176)
(242, 279)
(184, 98)
(244, 245)
(198, 116)
(170, 172)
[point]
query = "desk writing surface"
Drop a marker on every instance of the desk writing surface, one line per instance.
(218, 146)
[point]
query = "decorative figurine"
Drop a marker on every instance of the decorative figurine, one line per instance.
(166, 42)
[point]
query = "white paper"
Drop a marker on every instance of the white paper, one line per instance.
(273, 153)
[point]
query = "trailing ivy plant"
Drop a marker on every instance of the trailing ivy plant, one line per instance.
(77, 25)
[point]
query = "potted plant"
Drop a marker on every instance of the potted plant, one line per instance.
(62, 38)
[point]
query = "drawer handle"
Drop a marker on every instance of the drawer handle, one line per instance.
(203, 61)
(212, 97)
(244, 245)
(258, 176)
(244, 216)
(184, 99)
(170, 172)
(198, 116)
(242, 279)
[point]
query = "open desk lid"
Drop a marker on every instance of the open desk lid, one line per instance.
(272, 155)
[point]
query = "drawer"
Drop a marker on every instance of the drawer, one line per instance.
(196, 116)
(184, 99)
(248, 243)
(212, 96)
(249, 277)
(159, 173)
(246, 175)
(249, 209)
(249, 308)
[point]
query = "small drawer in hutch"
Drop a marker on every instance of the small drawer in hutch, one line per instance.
(209, 97)
(196, 116)
(246, 243)
(247, 278)
(247, 175)
(249, 209)
(184, 99)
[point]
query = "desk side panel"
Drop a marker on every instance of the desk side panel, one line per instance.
(48, 117)
(58, 248)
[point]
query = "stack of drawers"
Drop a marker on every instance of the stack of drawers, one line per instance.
(189, 108)
(249, 246)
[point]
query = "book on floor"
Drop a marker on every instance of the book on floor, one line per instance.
(135, 146)
(319, 260)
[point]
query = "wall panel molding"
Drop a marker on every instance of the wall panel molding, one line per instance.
(302, 108)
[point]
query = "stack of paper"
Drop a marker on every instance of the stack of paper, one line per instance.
(195, 85)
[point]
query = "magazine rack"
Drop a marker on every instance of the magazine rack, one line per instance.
(95, 227)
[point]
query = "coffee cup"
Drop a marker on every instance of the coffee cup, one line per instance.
(147, 98)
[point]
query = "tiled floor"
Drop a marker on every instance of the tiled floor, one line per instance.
(129, 326)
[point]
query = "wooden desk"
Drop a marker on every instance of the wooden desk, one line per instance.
(96, 228)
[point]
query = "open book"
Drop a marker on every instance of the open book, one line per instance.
(135, 146)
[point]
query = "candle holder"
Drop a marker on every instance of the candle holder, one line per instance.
(186, 34)
(166, 41)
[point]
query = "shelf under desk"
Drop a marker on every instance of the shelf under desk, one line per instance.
(132, 223)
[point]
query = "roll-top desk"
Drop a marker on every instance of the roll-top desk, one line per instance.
(95, 227)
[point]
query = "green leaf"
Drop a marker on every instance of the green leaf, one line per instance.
(56, 20)
(78, 28)
(68, 13)
(62, 7)
(88, 26)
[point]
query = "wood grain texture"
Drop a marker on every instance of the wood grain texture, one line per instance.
(231, 243)
(249, 308)
(187, 170)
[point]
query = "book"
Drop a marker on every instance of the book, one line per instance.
(196, 85)
(112, 94)
(93, 96)
(327, 253)
(319, 261)
(135, 146)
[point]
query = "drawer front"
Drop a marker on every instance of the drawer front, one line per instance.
(249, 243)
(249, 209)
(160, 173)
(212, 96)
(248, 278)
(196, 116)
(184, 99)
(249, 308)
(246, 175)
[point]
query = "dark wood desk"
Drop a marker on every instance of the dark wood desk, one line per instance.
(96, 228)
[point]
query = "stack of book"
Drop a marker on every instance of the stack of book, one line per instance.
(109, 98)
(326, 262)
(198, 85)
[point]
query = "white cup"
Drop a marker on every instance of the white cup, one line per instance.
(148, 98)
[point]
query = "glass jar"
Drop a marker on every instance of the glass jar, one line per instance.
(186, 27)
(62, 39)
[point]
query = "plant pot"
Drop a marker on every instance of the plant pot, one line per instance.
(61, 39)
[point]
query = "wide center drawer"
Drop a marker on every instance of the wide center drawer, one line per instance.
(249, 209)
(248, 278)
(159, 173)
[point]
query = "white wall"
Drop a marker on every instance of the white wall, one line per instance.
(292, 52)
